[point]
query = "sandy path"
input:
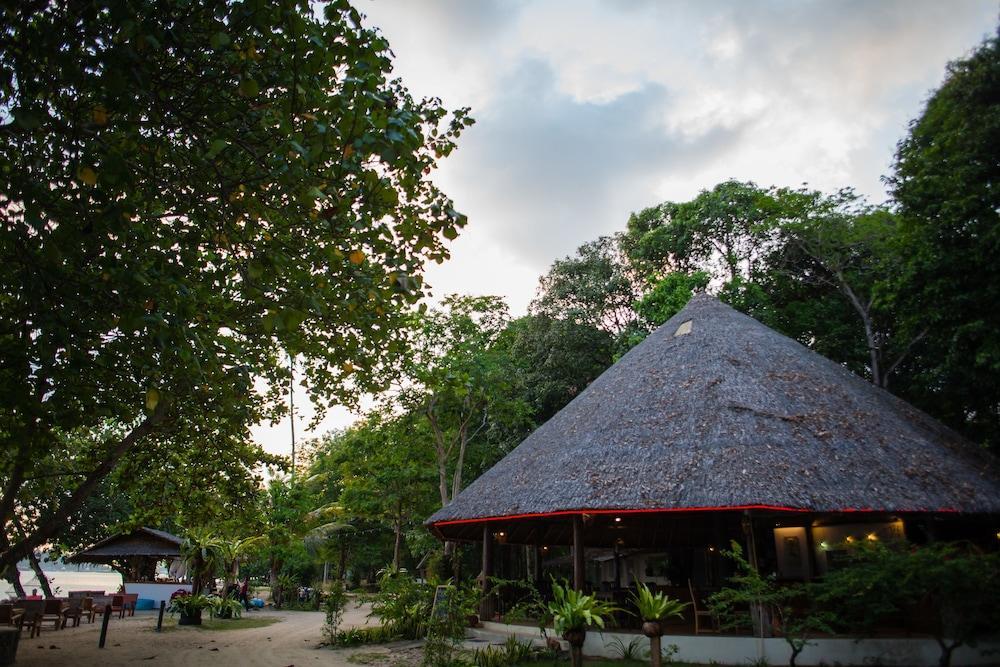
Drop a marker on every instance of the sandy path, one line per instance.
(293, 640)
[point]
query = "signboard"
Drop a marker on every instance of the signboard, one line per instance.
(439, 610)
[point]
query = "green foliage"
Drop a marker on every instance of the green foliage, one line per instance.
(944, 185)
(190, 604)
(447, 624)
(789, 609)
(597, 287)
(511, 652)
(631, 651)
(957, 583)
(284, 590)
(573, 610)
(188, 194)
(527, 601)
(668, 296)
(369, 634)
(462, 386)
(201, 551)
(557, 359)
(334, 603)
(402, 604)
(225, 607)
(658, 606)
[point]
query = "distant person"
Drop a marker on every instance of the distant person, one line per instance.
(34, 595)
(244, 591)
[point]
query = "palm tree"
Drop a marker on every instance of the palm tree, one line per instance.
(201, 551)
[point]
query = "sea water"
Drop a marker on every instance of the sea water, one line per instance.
(64, 581)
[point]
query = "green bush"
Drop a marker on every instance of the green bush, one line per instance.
(333, 605)
(402, 604)
(375, 634)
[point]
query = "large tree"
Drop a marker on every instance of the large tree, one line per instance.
(459, 380)
(188, 193)
(945, 185)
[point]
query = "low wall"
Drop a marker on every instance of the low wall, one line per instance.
(740, 650)
(154, 591)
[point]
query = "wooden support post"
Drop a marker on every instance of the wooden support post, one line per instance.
(486, 607)
(104, 626)
(812, 566)
(159, 620)
(578, 548)
(758, 613)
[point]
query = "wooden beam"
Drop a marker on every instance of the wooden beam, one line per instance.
(487, 556)
(578, 548)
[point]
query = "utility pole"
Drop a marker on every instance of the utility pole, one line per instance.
(291, 403)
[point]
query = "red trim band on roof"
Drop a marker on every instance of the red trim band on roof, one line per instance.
(771, 508)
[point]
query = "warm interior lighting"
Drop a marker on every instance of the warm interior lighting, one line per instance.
(824, 546)
(711, 548)
(501, 533)
(872, 537)
(850, 538)
(618, 519)
(545, 548)
(998, 534)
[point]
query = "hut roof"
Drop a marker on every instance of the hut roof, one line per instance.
(714, 410)
(142, 541)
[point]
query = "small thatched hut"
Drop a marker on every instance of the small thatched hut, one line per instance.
(716, 428)
(135, 553)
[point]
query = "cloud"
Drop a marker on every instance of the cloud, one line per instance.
(590, 109)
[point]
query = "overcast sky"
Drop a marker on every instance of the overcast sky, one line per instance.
(587, 110)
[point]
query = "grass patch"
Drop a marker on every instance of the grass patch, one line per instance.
(214, 624)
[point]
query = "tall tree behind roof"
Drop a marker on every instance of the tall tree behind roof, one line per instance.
(945, 182)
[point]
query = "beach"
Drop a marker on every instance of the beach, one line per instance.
(63, 581)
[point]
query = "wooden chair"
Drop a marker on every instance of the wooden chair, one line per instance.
(52, 610)
(8, 616)
(88, 609)
(31, 618)
(118, 605)
(130, 601)
(73, 612)
(700, 613)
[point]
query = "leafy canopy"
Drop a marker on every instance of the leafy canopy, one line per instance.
(187, 192)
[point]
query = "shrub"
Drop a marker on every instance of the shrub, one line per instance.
(403, 604)
(336, 600)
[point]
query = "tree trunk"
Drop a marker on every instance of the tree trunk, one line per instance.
(43, 581)
(946, 651)
(342, 566)
(396, 547)
(655, 657)
(14, 575)
(48, 526)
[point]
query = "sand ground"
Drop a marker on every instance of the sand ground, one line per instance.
(293, 640)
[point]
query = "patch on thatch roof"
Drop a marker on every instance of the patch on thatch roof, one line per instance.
(140, 542)
(732, 414)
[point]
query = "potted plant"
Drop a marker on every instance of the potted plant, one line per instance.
(189, 606)
(654, 609)
(572, 613)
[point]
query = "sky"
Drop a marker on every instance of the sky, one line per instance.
(588, 110)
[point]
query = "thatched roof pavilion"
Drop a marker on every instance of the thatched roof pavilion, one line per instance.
(140, 543)
(715, 412)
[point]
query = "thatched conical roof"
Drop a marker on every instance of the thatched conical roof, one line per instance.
(716, 410)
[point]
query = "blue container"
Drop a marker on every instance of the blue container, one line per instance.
(144, 604)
